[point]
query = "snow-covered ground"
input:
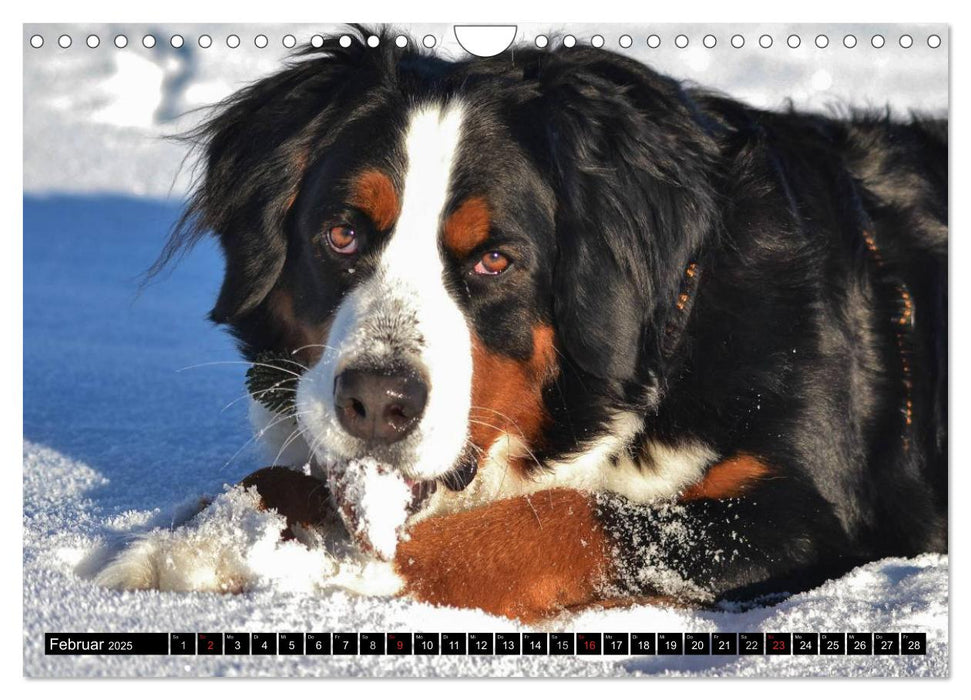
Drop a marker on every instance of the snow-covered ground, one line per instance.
(133, 403)
(64, 523)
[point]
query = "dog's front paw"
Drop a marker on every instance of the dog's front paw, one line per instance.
(528, 557)
(209, 552)
(175, 561)
(241, 541)
(135, 568)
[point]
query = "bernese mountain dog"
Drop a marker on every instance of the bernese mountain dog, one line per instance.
(624, 339)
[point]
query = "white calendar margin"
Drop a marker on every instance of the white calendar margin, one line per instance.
(493, 11)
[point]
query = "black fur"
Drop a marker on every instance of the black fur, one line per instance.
(606, 181)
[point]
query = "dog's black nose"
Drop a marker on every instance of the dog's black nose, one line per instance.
(379, 407)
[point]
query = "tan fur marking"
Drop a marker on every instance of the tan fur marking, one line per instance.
(467, 227)
(507, 393)
(729, 478)
(373, 193)
(527, 557)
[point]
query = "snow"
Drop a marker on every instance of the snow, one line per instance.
(229, 544)
(93, 117)
(374, 500)
(127, 425)
(64, 526)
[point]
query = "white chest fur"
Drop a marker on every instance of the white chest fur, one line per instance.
(661, 473)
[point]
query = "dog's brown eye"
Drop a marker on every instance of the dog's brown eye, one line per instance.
(342, 239)
(492, 263)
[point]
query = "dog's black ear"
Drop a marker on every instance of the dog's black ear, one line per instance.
(632, 162)
(256, 150)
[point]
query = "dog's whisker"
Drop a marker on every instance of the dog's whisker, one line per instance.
(276, 460)
(505, 432)
(239, 362)
(492, 410)
(535, 514)
(257, 394)
(501, 415)
(297, 433)
(315, 442)
(314, 345)
(283, 448)
(294, 362)
(505, 470)
(318, 487)
(469, 443)
(302, 366)
(518, 429)
(259, 434)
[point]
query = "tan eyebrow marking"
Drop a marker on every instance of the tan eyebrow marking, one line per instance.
(467, 227)
(373, 193)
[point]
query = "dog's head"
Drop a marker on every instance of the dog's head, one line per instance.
(456, 253)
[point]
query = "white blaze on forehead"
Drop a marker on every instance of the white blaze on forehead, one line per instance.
(412, 270)
(431, 145)
(403, 313)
